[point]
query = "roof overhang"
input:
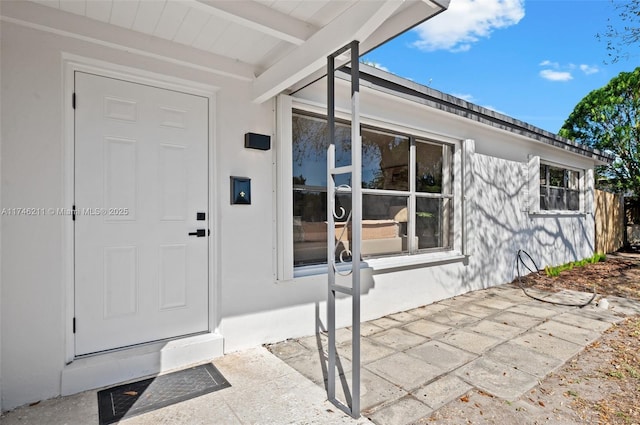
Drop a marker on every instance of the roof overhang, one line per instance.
(370, 22)
(386, 82)
(276, 45)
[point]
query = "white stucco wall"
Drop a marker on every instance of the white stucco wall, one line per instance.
(33, 296)
(500, 226)
(252, 307)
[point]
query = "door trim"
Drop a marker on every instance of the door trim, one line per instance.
(72, 63)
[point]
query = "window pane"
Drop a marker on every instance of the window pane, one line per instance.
(384, 225)
(387, 224)
(309, 227)
(385, 161)
(556, 177)
(544, 198)
(573, 200)
(310, 142)
(556, 199)
(573, 179)
(433, 168)
(433, 223)
(543, 175)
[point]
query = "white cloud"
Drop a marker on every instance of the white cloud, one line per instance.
(466, 22)
(551, 75)
(556, 72)
(589, 69)
(549, 63)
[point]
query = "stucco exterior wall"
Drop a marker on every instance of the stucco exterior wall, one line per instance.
(34, 304)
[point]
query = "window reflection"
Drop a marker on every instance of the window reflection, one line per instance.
(395, 219)
(559, 189)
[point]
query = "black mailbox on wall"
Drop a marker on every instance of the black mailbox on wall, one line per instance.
(257, 141)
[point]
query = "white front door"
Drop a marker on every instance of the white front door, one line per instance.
(141, 171)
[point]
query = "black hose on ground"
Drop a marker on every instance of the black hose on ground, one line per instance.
(520, 260)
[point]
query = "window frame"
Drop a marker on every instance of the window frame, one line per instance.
(581, 188)
(283, 165)
(565, 188)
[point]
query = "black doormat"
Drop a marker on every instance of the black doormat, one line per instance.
(132, 399)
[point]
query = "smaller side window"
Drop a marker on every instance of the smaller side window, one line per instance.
(559, 189)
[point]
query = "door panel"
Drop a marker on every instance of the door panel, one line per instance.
(141, 172)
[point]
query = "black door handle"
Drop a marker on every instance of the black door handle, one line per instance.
(200, 233)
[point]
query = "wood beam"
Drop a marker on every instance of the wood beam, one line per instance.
(259, 17)
(356, 23)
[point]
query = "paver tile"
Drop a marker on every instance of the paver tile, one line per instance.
(452, 318)
(404, 317)
(398, 339)
(287, 349)
(524, 359)
(549, 345)
(369, 350)
(444, 356)
(368, 329)
(498, 379)
(495, 329)
(515, 319)
(406, 371)
(476, 310)
(580, 320)
(533, 310)
(567, 332)
(374, 390)
(470, 341)
(385, 323)
(407, 410)
(426, 328)
(428, 310)
(497, 302)
(441, 391)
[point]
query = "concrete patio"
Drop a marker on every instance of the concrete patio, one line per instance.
(496, 340)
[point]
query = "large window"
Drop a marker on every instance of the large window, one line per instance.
(559, 189)
(407, 204)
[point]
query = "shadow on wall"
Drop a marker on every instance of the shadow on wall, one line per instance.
(501, 225)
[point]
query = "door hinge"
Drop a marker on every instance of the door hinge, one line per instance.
(73, 212)
(74, 325)
(73, 100)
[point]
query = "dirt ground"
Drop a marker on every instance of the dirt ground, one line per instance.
(601, 385)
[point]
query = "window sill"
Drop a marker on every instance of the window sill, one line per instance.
(417, 260)
(387, 263)
(557, 213)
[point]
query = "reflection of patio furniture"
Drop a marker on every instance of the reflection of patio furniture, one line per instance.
(378, 237)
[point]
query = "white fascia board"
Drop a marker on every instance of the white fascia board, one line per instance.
(395, 25)
(409, 17)
(259, 17)
(66, 24)
(356, 23)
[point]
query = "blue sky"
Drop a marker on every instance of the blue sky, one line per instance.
(533, 60)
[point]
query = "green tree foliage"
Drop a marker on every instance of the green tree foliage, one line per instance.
(620, 40)
(607, 119)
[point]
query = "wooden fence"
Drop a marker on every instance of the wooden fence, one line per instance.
(610, 211)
